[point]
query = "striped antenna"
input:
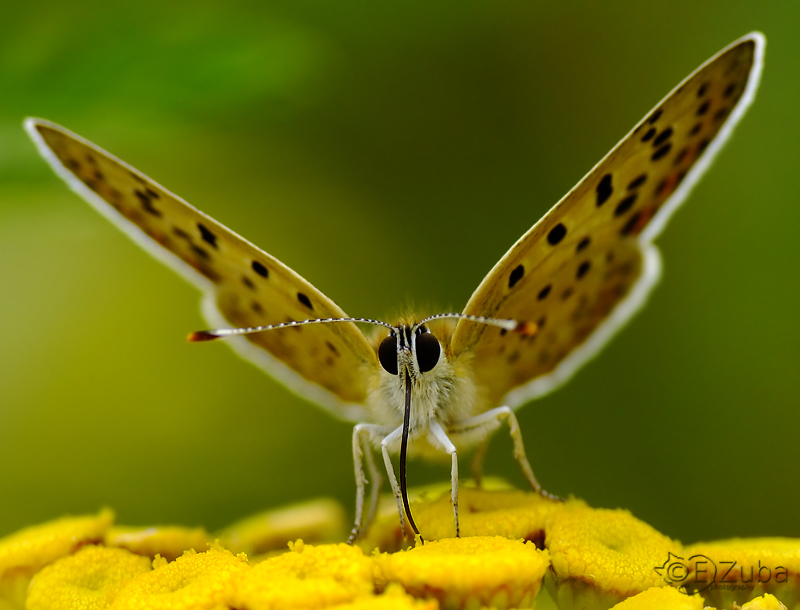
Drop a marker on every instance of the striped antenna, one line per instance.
(525, 328)
(210, 335)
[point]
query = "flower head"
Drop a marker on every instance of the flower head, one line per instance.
(462, 572)
(167, 541)
(601, 557)
(194, 581)
(736, 570)
(498, 510)
(316, 522)
(89, 579)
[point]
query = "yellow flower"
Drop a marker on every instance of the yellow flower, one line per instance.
(494, 510)
(306, 577)
(25, 552)
(468, 572)
(315, 522)
(588, 558)
(736, 570)
(661, 598)
(34, 547)
(600, 557)
(90, 579)
(170, 542)
(194, 581)
(766, 602)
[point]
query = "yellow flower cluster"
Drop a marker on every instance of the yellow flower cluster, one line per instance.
(512, 544)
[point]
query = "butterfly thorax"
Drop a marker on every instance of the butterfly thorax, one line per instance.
(441, 384)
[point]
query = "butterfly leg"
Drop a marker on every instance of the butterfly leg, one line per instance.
(489, 422)
(392, 440)
(477, 462)
(377, 482)
(373, 434)
(439, 438)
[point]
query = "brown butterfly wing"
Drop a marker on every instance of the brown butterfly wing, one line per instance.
(244, 286)
(585, 267)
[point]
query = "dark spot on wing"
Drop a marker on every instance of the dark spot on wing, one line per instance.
(625, 205)
(73, 164)
(152, 193)
(583, 269)
(516, 275)
(567, 293)
(207, 235)
(200, 252)
(696, 129)
(304, 300)
(246, 281)
(680, 156)
(604, 190)
(702, 90)
(632, 222)
(256, 307)
(720, 114)
(703, 145)
(649, 134)
(637, 182)
(332, 347)
(703, 108)
(730, 89)
(544, 292)
(147, 203)
(180, 232)
(260, 269)
(661, 152)
(584, 243)
(655, 116)
(556, 234)
(662, 137)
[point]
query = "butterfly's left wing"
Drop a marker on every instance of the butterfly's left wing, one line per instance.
(585, 267)
(329, 364)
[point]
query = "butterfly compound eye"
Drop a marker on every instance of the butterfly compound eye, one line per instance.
(428, 350)
(387, 354)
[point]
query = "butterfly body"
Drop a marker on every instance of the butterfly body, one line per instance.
(438, 385)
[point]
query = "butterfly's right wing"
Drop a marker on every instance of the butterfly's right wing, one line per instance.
(587, 266)
(329, 364)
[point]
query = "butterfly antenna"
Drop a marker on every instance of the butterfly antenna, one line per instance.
(210, 335)
(403, 448)
(524, 328)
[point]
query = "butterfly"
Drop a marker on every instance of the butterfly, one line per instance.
(440, 384)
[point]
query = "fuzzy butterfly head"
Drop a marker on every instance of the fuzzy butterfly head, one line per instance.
(417, 351)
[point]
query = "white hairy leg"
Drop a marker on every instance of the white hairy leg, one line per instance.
(373, 434)
(438, 437)
(490, 421)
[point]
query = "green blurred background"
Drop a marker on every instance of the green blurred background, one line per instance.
(311, 128)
